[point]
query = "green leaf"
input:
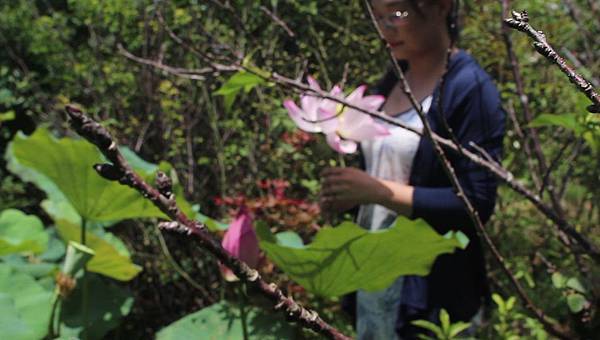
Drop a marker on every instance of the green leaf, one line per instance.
(107, 260)
(444, 320)
(26, 301)
(574, 284)
(462, 239)
(558, 280)
(510, 303)
(11, 324)
(211, 224)
(500, 302)
(6, 97)
(348, 257)
(7, 116)
(458, 327)
(21, 233)
(568, 121)
(430, 326)
(56, 247)
(576, 302)
(289, 239)
(108, 304)
(35, 270)
(63, 167)
(140, 165)
(241, 80)
(221, 321)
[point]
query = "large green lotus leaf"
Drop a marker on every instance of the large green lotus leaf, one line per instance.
(56, 247)
(27, 301)
(108, 304)
(221, 321)
(35, 269)
(346, 258)
(110, 260)
(67, 163)
(11, 324)
(21, 233)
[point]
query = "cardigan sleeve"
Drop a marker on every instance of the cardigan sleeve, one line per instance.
(478, 118)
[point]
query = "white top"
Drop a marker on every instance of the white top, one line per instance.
(388, 158)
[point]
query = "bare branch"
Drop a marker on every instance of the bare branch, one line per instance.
(194, 74)
(524, 99)
(278, 21)
(520, 21)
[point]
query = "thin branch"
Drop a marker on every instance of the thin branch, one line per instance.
(278, 21)
(575, 60)
(585, 34)
(553, 165)
(194, 74)
(165, 249)
(524, 99)
(119, 170)
(571, 162)
(520, 21)
(529, 157)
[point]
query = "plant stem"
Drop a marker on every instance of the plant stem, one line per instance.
(341, 160)
(52, 333)
(242, 294)
(84, 287)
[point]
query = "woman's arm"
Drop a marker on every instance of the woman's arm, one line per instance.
(345, 188)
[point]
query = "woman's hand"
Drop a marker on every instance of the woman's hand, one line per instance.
(345, 188)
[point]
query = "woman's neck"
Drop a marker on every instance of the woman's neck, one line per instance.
(430, 66)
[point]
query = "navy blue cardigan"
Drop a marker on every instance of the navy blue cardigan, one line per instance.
(471, 105)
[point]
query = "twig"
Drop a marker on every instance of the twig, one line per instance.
(575, 60)
(194, 74)
(520, 21)
(529, 157)
(179, 270)
(204, 56)
(584, 32)
(484, 153)
(119, 170)
(571, 162)
(524, 100)
(553, 165)
(278, 21)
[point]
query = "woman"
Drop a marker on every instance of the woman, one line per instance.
(403, 176)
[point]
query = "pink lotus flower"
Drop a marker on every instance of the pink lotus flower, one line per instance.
(354, 126)
(240, 240)
(309, 118)
(343, 129)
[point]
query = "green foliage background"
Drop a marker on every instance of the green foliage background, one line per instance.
(58, 52)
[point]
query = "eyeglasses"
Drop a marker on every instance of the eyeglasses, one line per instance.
(393, 19)
(399, 15)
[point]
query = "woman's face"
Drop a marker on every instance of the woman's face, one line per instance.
(412, 31)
